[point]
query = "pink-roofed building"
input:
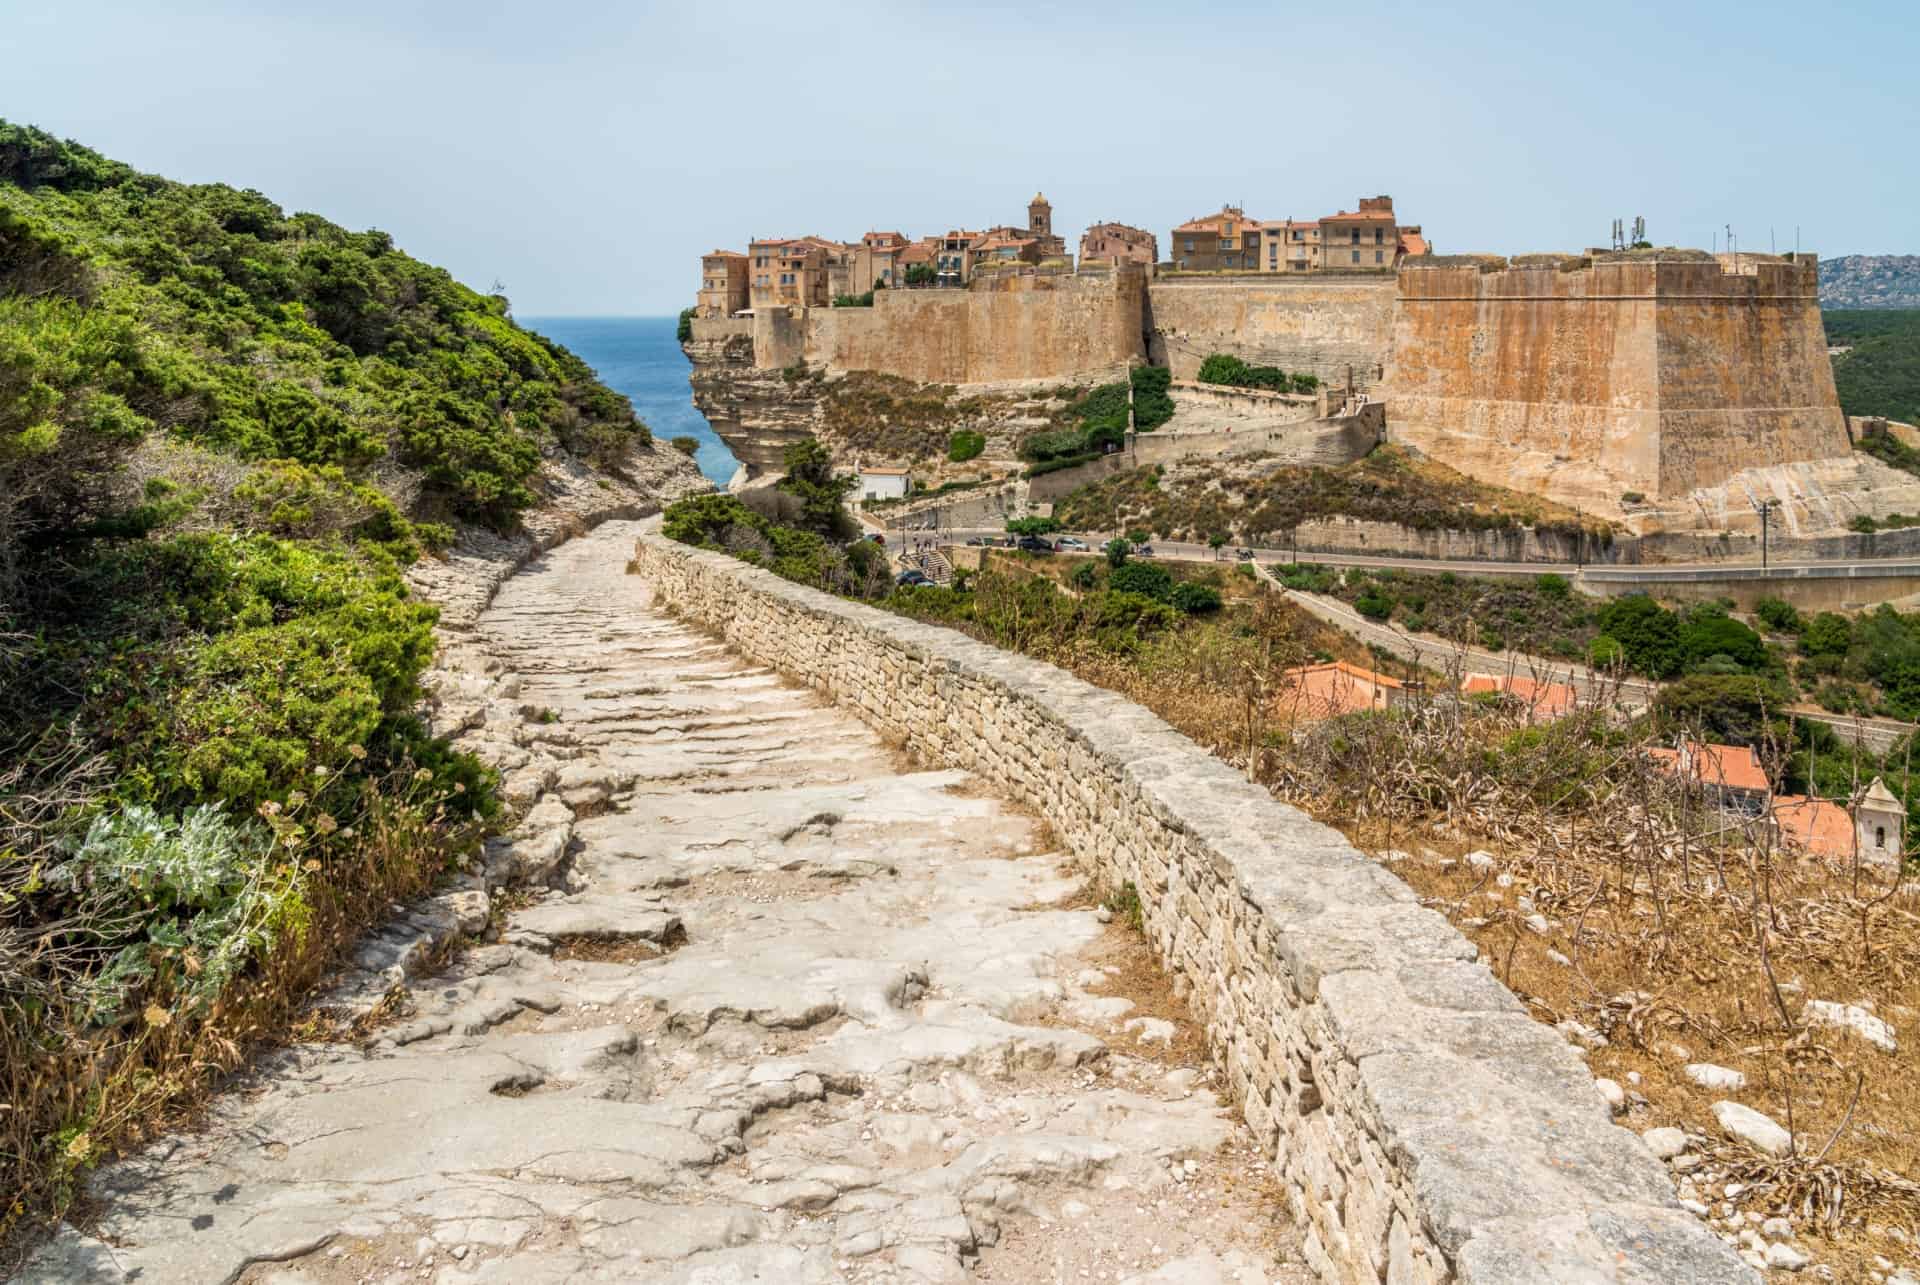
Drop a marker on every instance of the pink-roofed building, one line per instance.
(1543, 701)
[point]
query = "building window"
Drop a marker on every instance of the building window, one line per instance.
(1356, 256)
(1189, 245)
(1379, 256)
(1880, 836)
(1378, 235)
(1356, 236)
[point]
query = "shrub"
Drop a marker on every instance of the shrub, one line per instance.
(1827, 634)
(1648, 633)
(1605, 652)
(1735, 708)
(1146, 579)
(1704, 637)
(1195, 599)
(1863, 523)
(686, 444)
(1493, 639)
(684, 332)
(1374, 605)
(1781, 617)
(1085, 576)
(1117, 551)
(1552, 585)
(965, 445)
(1032, 526)
(1152, 403)
(1631, 497)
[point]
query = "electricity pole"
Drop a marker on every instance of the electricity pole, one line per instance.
(1765, 509)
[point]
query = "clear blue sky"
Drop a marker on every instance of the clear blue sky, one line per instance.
(584, 154)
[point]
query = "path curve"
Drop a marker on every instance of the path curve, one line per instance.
(794, 1012)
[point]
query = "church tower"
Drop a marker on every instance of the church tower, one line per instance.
(1879, 818)
(1039, 216)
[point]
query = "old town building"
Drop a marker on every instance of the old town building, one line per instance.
(1119, 243)
(723, 284)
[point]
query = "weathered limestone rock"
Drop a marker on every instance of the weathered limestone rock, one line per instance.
(1851, 1017)
(1753, 1128)
(798, 1008)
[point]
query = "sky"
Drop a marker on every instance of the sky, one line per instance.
(583, 155)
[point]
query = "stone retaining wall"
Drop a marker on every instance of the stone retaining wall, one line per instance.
(1426, 1128)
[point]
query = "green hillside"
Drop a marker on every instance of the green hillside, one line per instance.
(224, 431)
(1879, 374)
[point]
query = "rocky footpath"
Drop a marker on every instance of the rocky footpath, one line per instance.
(741, 996)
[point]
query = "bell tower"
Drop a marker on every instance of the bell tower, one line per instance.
(1880, 820)
(1039, 216)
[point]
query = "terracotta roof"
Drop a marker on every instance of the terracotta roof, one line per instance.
(1543, 700)
(1360, 216)
(918, 252)
(726, 254)
(1413, 243)
(1322, 691)
(1736, 767)
(1819, 826)
(883, 472)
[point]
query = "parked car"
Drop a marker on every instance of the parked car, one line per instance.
(1071, 542)
(975, 541)
(1034, 544)
(876, 537)
(1143, 551)
(911, 578)
(1245, 555)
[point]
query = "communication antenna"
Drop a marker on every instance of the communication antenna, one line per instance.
(1619, 237)
(1639, 229)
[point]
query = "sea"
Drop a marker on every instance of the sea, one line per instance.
(641, 357)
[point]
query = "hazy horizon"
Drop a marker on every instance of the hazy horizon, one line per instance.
(586, 160)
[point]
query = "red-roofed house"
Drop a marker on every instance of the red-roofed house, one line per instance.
(1325, 691)
(1543, 701)
(1824, 828)
(1732, 773)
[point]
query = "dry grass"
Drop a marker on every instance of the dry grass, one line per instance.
(1675, 932)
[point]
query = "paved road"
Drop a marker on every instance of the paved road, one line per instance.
(1649, 573)
(791, 1012)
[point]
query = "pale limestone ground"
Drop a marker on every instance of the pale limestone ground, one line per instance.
(868, 1059)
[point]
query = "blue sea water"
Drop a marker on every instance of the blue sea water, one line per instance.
(640, 357)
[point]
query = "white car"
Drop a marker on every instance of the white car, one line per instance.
(1069, 542)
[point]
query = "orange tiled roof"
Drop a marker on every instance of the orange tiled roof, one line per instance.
(1734, 766)
(1412, 243)
(1545, 700)
(1819, 826)
(1322, 691)
(1360, 216)
(726, 254)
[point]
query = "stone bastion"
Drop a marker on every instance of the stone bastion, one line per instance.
(1427, 1130)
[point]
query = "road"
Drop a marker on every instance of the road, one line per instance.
(1642, 573)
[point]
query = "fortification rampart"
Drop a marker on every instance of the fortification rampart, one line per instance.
(1319, 327)
(1018, 328)
(1427, 1130)
(1585, 379)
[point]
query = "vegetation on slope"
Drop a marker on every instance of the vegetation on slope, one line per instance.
(1386, 486)
(224, 431)
(1880, 372)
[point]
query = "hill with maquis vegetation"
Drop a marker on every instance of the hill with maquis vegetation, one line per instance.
(1870, 281)
(227, 433)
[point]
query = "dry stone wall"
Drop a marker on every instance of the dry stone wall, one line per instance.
(1427, 1129)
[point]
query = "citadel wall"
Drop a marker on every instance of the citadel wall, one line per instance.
(1425, 1128)
(1320, 326)
(1583, 379)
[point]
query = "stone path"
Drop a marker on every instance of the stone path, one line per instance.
(795, 1012)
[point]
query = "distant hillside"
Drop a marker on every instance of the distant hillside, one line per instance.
(1870, 281)
(1877, 371)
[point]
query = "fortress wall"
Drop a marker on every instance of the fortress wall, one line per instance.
(1320, 326)
(1632, 374)
(1530, 377)
(1030, 327)
(1425, 1128)
(1745, 380)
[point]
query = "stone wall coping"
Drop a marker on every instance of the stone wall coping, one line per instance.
(1500, 1151)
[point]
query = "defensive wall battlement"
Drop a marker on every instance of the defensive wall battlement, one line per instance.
(1585, 378)
(1426, 1129)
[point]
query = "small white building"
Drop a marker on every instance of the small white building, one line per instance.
(885, 484)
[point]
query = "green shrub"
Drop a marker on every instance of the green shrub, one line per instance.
(1863, 523)
(1146, 579)
(1605, 652)
(1152, 400)
(1777, 615)
(1827, 634)
(1648, 632)
(1631, 497)
(1116, 551)
(1373, 605)
(1703, 637)
(684, 331)
(686, 444)
(1085, 576)
(1195, 599)
(965, 445)
(1493, 639)
(1552, 585)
